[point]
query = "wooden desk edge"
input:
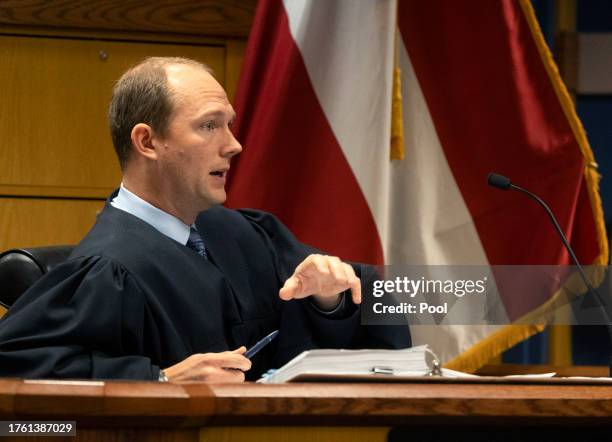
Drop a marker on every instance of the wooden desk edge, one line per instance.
(167, 405)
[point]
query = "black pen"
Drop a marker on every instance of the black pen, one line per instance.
(261, 344)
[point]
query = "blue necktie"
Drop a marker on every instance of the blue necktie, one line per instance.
(196, 243)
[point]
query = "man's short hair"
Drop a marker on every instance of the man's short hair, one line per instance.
(142, 95)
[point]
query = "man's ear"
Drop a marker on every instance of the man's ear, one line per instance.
(142, 141)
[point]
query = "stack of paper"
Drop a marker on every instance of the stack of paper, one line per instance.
(415, 361)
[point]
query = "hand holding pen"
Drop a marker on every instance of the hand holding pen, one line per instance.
(227, 366)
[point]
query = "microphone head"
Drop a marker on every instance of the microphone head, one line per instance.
(499, 181)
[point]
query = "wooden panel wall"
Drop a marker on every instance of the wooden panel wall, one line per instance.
(58, 63)
(55, 221)
(54, 112)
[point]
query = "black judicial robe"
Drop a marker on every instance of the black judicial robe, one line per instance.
(131, 300)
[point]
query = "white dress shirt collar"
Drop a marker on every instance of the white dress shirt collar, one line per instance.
(167, 224)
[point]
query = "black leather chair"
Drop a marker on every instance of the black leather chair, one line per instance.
(20, 268)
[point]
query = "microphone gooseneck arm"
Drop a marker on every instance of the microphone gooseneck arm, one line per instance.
(559, 231)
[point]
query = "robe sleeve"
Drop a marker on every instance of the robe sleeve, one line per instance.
(83, 320)
(305, 327)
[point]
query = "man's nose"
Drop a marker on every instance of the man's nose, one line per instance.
(233, 147)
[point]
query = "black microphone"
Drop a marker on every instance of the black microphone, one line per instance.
(503, 183)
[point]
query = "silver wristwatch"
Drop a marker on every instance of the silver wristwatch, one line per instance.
(162, 376)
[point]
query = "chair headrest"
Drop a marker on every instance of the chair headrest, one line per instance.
(20, 268)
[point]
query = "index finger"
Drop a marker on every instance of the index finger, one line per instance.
(236, 361)
(354, 284)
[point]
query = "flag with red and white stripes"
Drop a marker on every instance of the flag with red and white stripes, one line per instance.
(480, 94)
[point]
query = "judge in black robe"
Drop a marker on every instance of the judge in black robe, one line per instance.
(130, 301)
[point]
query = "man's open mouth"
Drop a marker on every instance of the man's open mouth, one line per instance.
(219, 173)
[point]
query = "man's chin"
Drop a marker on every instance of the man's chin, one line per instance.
(221, 198)
(214, 200)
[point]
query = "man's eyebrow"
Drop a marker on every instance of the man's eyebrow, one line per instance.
(216, 114)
